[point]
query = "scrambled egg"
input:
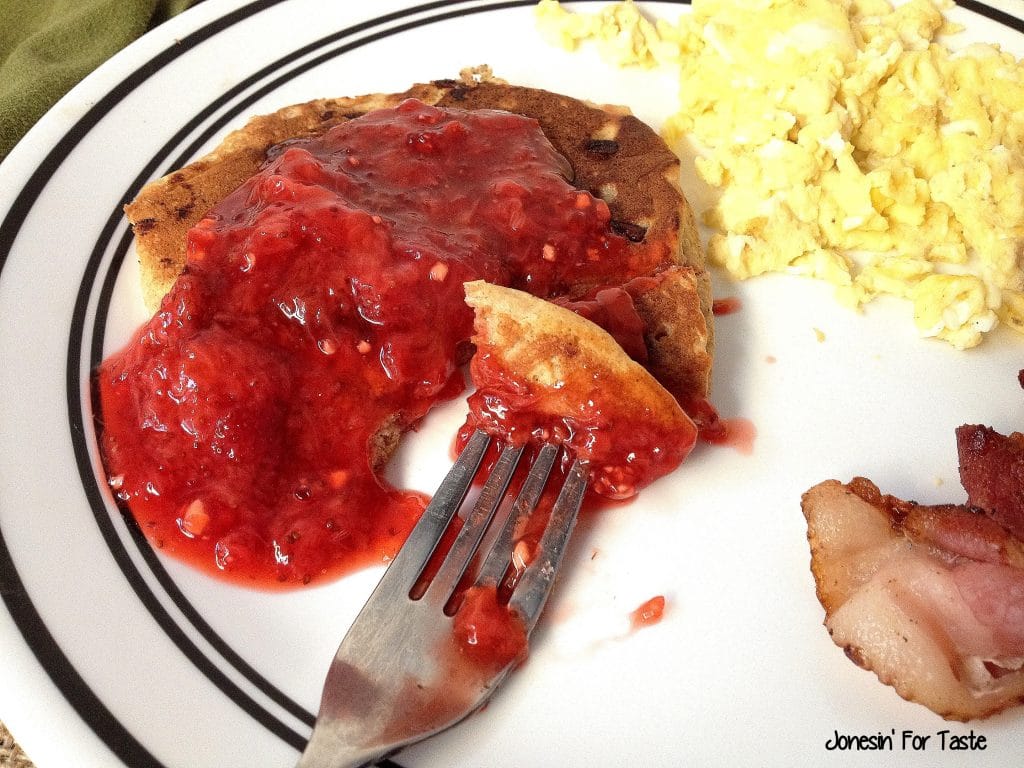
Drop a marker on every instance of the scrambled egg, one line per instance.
(848, 143)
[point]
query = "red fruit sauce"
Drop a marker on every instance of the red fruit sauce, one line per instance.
(625, 445)
(727, 305)
(487, 632)
(649, 613)
(322, 301)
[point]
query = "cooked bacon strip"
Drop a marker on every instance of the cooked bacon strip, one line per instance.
(992, 472)
(930, 598)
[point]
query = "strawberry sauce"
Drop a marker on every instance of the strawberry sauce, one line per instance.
(649, 613)
(625, 444)
(321, 306)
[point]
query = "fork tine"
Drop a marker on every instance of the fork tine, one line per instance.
(459, 556)
(535, 586)
(499, 556)
(401, 575)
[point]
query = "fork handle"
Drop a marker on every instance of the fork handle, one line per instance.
(326, 750)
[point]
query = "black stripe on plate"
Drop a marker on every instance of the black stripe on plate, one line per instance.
(12, 590)
(1013, 22)
(71, 684)
(18, 602)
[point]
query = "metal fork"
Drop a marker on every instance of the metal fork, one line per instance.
(389, 685)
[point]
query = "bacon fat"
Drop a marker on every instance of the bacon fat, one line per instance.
(929, 598)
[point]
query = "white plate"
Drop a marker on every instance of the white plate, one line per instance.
(113, 654)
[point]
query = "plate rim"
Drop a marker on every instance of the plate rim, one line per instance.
(18, 602)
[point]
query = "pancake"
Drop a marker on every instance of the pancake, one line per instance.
(544, 373)
(611, 154)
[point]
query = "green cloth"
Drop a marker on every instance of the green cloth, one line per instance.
(47, 46)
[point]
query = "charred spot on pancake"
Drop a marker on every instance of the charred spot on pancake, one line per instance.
(456, 90)
(635, 233)
(142, 226)
(185, 209)
(602, 147)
